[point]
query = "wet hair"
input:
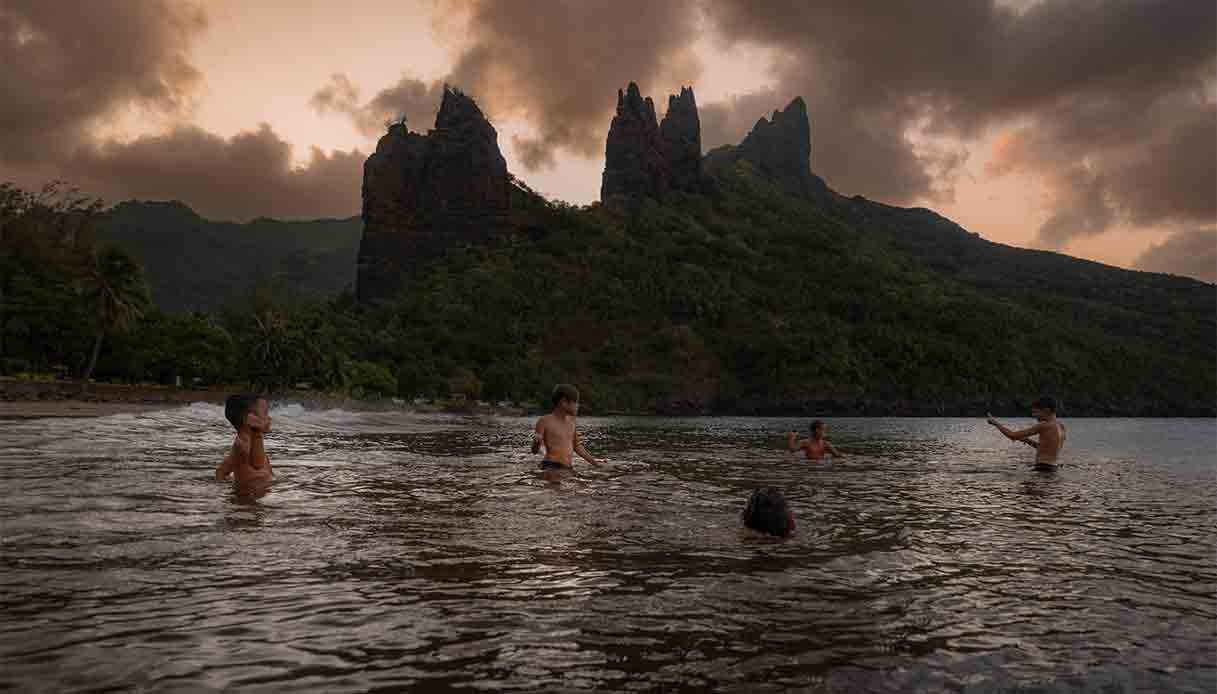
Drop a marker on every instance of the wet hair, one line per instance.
(817, 424)
(237, 406)
(768, 512)
(1045, 402)
(565, 391)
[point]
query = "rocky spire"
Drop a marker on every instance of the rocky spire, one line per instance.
(633, 160)
(680, 138)
(465, 169)
(779, 146)
(422, 191)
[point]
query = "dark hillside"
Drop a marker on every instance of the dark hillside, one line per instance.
(194, 264)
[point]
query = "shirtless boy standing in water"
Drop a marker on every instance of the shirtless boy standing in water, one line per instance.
(556, 431)
(816, 446)
(1050, 431)
(246, 460)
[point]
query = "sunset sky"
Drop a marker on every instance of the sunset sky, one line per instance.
(1085, 126)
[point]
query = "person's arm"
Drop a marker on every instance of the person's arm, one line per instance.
(832, 451)
(1019, 435)
(790, 442)
(583, 451)
(224, 469)
(257, 453)
(538, 436)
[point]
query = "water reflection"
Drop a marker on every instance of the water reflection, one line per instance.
(427, 552)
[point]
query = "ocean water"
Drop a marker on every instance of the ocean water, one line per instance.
(405, 552)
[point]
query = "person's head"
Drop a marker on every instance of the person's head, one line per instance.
(1044, 407)
(817, 429)
(566, 398)
(238, 406)
(768, 512)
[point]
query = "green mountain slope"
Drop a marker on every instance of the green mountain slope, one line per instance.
(195, 264)
(750, 298)
(744, 298)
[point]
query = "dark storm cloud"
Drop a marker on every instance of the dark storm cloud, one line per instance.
(559, 63)
(1190, 253)
(1112, 96)
(416, 100)
(1113, 160)
(248, 175)
(69, 65)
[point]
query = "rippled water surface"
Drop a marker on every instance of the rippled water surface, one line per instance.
(402, 552)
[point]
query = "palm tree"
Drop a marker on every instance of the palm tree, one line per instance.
(113, 288)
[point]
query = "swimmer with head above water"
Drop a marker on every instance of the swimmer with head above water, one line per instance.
(557, 432)
(1050, 431)
(246, 460)
(816, 446)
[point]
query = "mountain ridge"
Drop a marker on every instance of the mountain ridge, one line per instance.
(757, 290)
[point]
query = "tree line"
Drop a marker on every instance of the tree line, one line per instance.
(742, 299)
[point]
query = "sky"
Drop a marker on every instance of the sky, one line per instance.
(1082, 126)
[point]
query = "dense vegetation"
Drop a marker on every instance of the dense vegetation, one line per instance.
(744, 299)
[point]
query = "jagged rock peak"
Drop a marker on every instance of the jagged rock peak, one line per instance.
(779, 146)
(456, 109)
(683, 100)
(644, 157)
(680, 135)
(422, 192)
(631, 105)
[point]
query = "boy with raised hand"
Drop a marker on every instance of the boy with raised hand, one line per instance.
(1051, 432)
(815, 447)
(558, 433)
(246, 459)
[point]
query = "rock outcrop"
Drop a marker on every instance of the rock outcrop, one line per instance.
(644, 157)
(680, 139)
(422, 192)
(779, 147)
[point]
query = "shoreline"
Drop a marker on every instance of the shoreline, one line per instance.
(31, 399)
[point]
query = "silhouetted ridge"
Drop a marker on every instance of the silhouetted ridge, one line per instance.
(643, 157)
(421, 192)
(779, 146)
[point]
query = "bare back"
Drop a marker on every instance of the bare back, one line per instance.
(1051, 440)
(558, 436)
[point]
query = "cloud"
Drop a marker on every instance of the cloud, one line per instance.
(414, 99)
(64, 77)
(559, 65)
(246, 176)
(1110, 104)
(70, 66)
(1111, 160)
(1111, 97)
(1190, 253)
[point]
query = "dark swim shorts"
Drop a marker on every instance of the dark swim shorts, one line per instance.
(552, 465)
